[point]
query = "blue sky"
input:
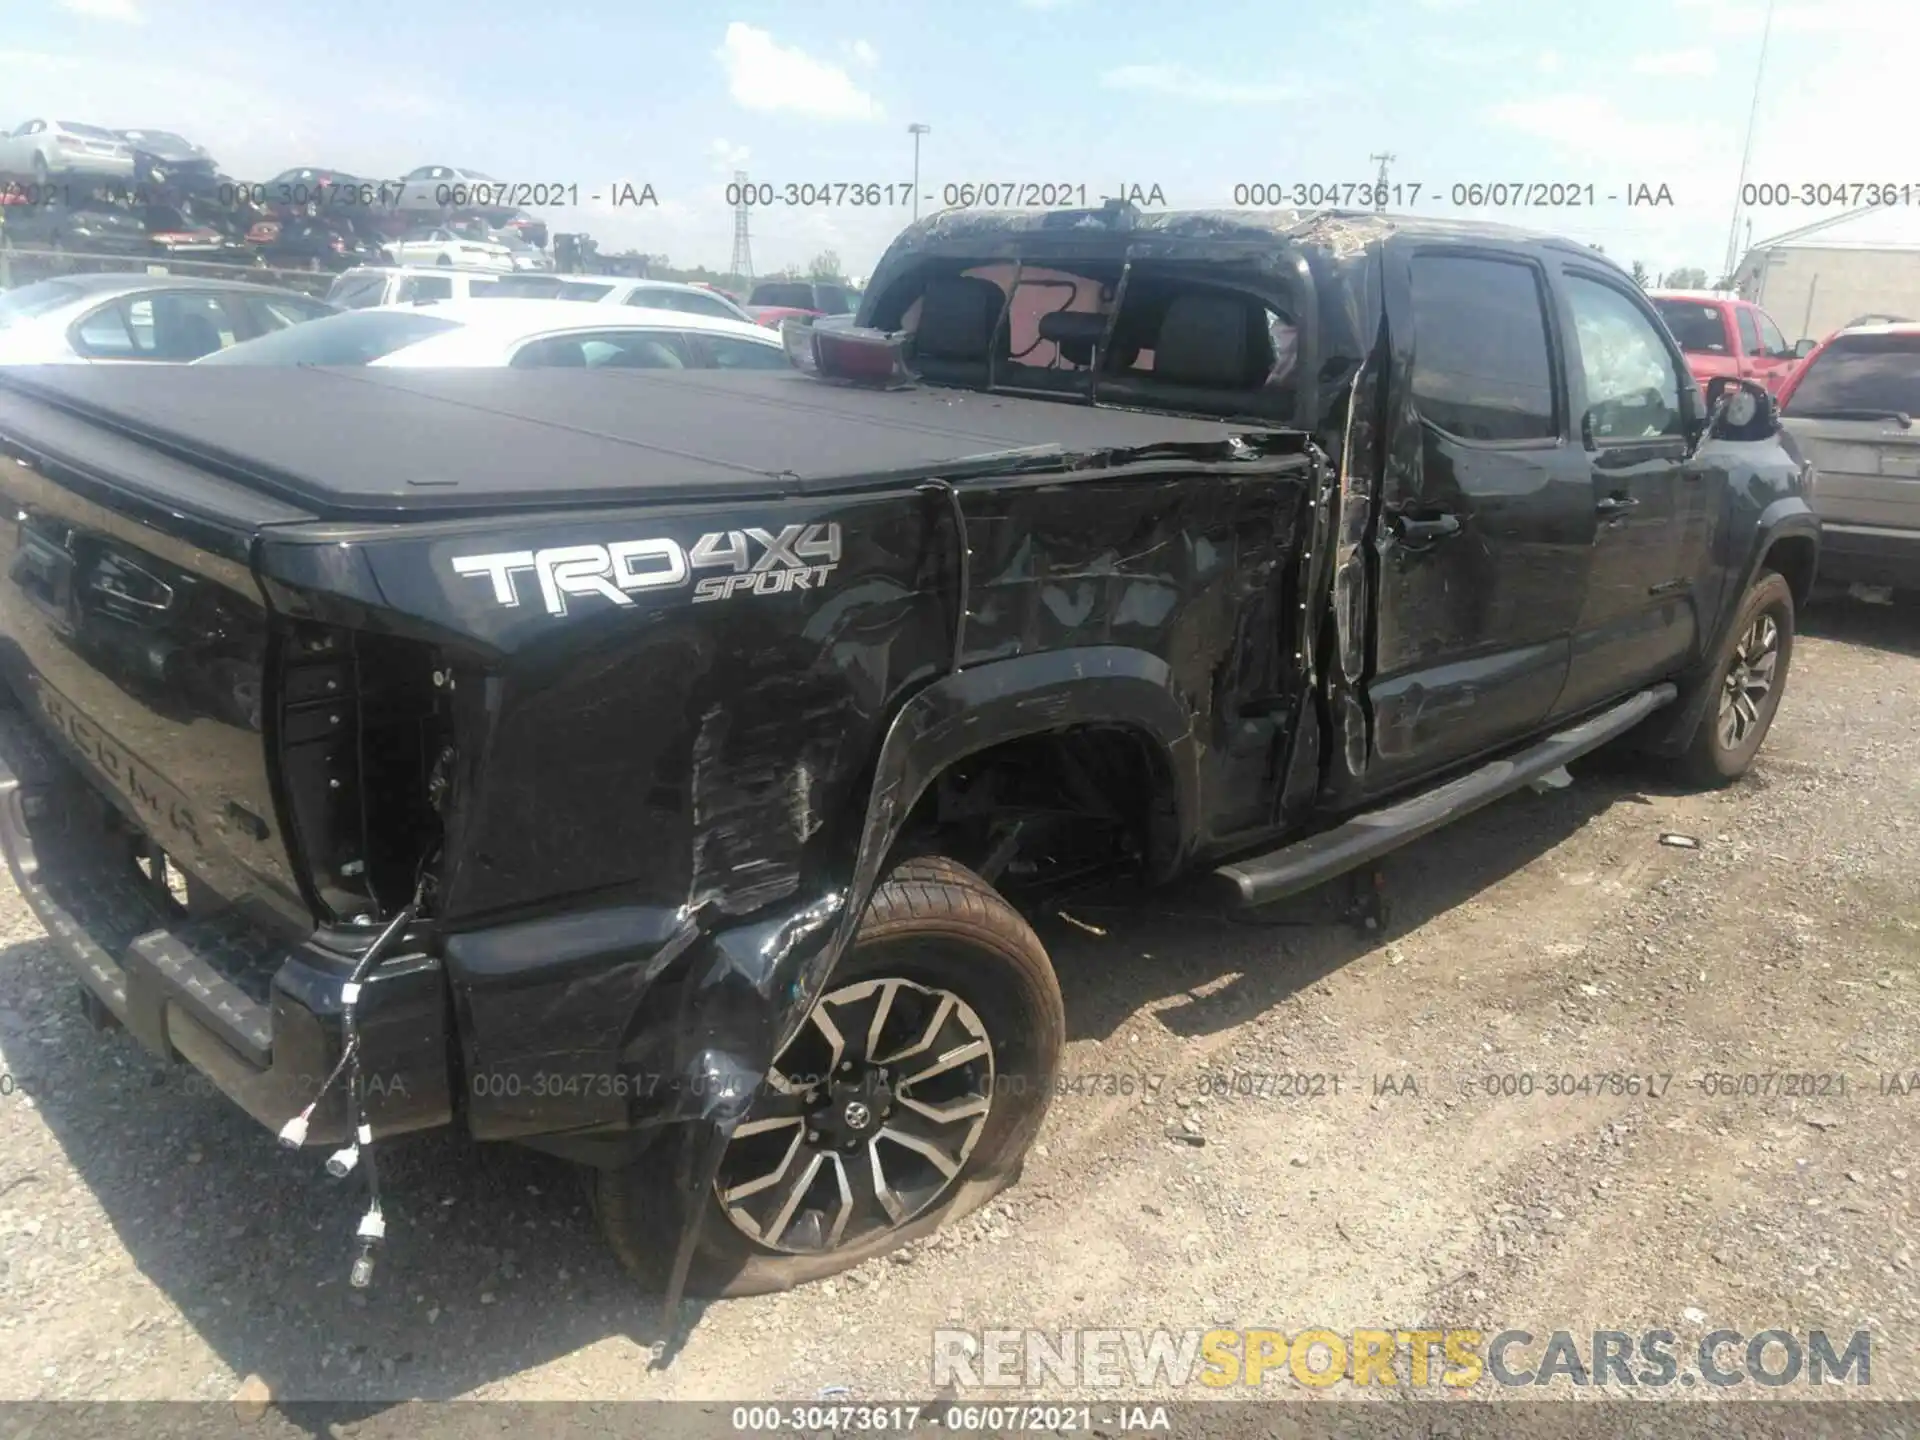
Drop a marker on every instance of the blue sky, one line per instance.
(1194, 98)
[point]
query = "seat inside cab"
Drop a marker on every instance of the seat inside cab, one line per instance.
(1165, 340)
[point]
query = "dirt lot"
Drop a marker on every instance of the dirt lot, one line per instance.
(155, 1243)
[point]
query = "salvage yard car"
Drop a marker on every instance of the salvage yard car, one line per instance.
(1851, 408)
(644, 767)
(366, 286)
(1724, 335)
(522, 333)
(116, 319)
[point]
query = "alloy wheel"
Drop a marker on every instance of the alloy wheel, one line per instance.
(1749, 681)
(866, 1119)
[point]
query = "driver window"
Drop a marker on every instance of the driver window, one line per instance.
(1770, 337)
(1632, 388)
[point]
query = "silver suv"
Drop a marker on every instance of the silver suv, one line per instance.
(1851, 409)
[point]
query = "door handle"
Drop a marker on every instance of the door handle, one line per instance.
(1438, 527)
(1617, 505)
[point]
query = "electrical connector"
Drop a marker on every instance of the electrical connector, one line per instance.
(293, 1134)
(340, 1164)
(372, 1230)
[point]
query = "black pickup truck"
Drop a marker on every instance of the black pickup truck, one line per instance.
(635, 765)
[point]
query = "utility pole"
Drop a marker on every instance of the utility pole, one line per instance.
(1746, 152)
(1380, 185)
(916, 129)
(742, 241)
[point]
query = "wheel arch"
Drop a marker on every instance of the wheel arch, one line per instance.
(975, 710)
(1786, 538)
(1796, 556)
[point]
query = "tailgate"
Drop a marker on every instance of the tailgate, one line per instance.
(132, 630)
(1869, 471)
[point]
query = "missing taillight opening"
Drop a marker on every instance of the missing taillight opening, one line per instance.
(361, 725)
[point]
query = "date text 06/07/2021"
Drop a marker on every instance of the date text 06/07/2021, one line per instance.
(345, 194)
(1461, 194)
(954, 195)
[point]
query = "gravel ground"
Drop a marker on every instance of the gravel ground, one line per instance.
(155, 1244)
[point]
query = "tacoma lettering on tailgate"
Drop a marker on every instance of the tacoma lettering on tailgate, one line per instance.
(800, 557)
(156, 801)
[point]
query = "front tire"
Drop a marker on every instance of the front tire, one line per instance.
(908, 1098)
(1745, 688)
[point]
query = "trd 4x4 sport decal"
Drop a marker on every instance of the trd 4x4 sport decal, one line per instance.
(800, 557)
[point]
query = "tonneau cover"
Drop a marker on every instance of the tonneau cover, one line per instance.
(389, 443)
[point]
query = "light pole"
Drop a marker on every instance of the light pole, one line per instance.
(1746, 152)
(916, 129)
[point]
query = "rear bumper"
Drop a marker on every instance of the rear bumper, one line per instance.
(259, 1018)
(1870, 555)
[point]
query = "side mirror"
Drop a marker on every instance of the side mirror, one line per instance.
(1803, 348)
(1740, 409)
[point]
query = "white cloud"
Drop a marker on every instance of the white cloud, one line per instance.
(863, 53)
(1549, 62)
(765, 75)
(123, 11)
(727, 156)
(1185, 84)
(1676, 62)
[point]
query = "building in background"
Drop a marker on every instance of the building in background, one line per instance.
(1814, 286)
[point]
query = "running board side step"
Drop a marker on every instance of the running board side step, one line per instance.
(1306, 863)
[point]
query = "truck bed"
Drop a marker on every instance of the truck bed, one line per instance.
(371, 443)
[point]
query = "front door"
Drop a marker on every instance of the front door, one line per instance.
(1487, 517)
(1637, 623)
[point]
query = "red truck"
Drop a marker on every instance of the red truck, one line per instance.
(1723, 335)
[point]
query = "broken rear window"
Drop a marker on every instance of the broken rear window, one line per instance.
(1174, 336)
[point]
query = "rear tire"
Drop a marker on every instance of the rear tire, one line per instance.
(945, 960)
(1745, 689)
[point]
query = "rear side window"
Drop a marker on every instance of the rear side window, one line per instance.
(683, 301)
(180, 326)
(1699, 329)
(354, 292)
(729, 352)
(1861, 374)
(605, 350)
(526, 287)
(1749, 332)
(1480, 359)
(417, 289)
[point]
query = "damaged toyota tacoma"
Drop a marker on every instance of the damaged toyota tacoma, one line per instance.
(636, 765)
